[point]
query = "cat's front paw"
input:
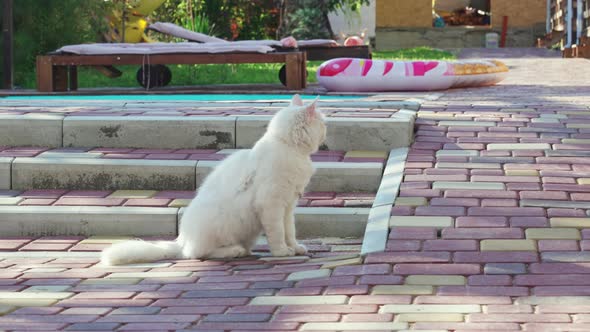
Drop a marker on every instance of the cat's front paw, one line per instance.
(283, 251)
(299, 249)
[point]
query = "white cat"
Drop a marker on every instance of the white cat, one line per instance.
(249, 192)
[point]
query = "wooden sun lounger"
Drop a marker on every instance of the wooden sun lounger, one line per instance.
(59, 72)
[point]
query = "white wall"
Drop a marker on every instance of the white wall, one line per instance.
(353, 23)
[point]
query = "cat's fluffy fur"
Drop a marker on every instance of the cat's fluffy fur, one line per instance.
(249, 192)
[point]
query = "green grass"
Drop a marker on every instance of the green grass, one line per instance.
(183, 75)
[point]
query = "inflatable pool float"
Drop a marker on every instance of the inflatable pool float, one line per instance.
(362, 75)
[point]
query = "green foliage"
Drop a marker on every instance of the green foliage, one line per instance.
(43, 26)
(417, 53)
(310, 23)
(229, 19)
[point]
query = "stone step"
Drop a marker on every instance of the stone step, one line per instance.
(156, 221)
(352, 124)
(99, 171)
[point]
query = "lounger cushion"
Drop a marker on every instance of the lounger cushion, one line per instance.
(162, 48)
(180, 32)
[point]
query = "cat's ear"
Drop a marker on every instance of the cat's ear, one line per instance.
(310, 110)
(296, 101)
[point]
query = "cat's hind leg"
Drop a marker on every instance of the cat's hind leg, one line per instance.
(229, 252)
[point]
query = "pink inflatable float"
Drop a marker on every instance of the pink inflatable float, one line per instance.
(362, 75)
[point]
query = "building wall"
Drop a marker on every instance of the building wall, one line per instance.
(404, 13)
(521, 13)
(418, 13)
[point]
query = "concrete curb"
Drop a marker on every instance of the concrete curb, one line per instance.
(184, 132)
(112, 174)
(152, 221)
(377, 230)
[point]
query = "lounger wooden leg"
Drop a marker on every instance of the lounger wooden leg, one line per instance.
(295, 71)
(73, 71)
(44, 74)
(60, 78)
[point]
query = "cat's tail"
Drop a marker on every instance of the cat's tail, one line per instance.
(138, 251)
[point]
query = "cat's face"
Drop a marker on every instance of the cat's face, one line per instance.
(301, 125)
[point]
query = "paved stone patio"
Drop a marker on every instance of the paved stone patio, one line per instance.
(489, 232)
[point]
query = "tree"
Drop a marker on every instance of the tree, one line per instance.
(307, 19)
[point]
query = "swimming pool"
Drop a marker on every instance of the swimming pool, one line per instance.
(181, 97)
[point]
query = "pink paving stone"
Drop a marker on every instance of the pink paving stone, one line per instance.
(368, 300)
(87, 193)
(423, 177)
(7, 245)
(452, 211)
(455, 201)
(28, 326)
(493, 172)
(124, 156)
(450, 245)
(192, 310)
(148, 151)
(148, 318)
(519, 318)
(560, 268)
(420, 139)
(523, 186)
(496, 257)
(43, 193)
(494, 153)
(567, 187)
(580, 196)
(556, 212)
(39, 311)
(438, 269)
(483, 290)
(46, 247)
(558, 245)
(380, 280)
(550, 327)
(409, 257)
(60, 318)
(153, 326)
(209, 286)
(498, 202)
(272, 326)
(586, 233)
(481, 222)
(152, 202)
(415, 185)
(420, 193)
(561, 291)
(421, 164)
(167, 156)
(445, 171)
(460, 193)
(403, 245)
(301, 291)
(482, 233)
(355, 195)
(91, 201)
(489, 280)
(363, 160)
(549, 308)
(529, 222)
(362, 269)
(509, 309)
(552, 280)
(426, 146)
(332, 281)
(307, 317)
(412, 233)
(557, 195)
(428, 299)
(402, 211)
(330, 308)
(506, 211)
(228, 301)
(89, 247)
